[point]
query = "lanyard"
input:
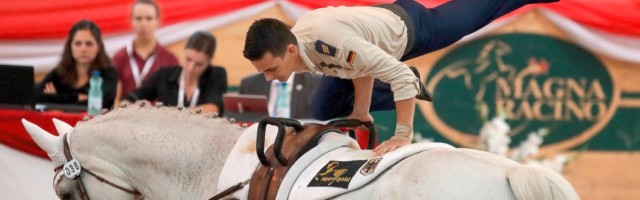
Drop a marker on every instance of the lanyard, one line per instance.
(194, 97)
(135, 70)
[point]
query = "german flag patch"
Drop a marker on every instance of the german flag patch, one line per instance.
(351, 57)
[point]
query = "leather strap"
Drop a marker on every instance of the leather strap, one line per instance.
(111, 184)
(230, 190)
(77, 181)
(79, 185)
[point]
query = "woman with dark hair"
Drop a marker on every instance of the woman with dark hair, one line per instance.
(195, 84)
(83, 53)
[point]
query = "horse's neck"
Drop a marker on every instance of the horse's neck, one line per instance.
(166, 165)
(191, 173)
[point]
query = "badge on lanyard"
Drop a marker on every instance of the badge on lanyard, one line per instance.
(194, 97)
(135, 69)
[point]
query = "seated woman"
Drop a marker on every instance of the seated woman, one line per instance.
(196, 84)
(83, 53)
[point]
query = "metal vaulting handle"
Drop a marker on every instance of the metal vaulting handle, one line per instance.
(292, 123)
(277, 146)
(262, 126)
(281, 123)
(353, 123)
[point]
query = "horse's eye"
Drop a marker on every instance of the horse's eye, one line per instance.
(65, 196)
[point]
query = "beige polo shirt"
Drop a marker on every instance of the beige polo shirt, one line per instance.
(354, 42)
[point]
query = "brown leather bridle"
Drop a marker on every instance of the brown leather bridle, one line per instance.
(77, 181)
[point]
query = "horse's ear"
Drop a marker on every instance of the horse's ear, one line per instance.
(62, 127)
(45, 140)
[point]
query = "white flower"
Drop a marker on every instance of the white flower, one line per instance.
(528, 148)
(495, 135)
(557, 163)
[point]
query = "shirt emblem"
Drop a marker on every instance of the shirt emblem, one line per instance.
(325, 48)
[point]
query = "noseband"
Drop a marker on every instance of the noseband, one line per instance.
(72, 170)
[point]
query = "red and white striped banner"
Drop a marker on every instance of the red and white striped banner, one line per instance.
(32, 32)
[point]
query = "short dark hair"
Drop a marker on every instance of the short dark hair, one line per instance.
(148, 2)
(270, 35)
(202, 41)
(67, 65)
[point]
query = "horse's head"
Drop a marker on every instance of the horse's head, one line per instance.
(92, 184)
(158, 153)
(496, 47)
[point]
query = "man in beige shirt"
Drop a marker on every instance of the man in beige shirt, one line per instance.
(360, 50)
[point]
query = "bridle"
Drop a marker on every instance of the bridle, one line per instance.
(72, 170)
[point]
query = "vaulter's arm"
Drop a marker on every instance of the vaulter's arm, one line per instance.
(379, 64)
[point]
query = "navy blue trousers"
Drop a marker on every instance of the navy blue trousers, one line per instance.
(435, 28)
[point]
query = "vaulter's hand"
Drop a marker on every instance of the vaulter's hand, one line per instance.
(390, 145)
(363, 117)
(366, 117)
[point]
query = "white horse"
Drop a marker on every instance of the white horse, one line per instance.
(163, 153)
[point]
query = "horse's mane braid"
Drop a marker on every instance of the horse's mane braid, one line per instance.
(142, 111)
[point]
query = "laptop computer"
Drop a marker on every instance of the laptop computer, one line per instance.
(17, 87)
(245, 107)
(70, 108)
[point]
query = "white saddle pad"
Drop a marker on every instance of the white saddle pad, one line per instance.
(342, 170)
(335, 166)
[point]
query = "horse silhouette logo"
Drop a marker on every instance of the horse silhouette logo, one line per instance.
(489, 66)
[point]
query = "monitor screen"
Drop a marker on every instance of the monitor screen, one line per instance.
(245, 108)
(17, 87)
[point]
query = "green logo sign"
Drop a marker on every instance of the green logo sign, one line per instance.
(535, 80)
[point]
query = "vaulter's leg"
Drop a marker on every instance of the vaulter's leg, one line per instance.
(439, 27)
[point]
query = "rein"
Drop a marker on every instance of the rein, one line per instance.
(230, 190)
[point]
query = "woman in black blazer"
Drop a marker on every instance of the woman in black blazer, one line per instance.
(195, 84)
(83, 53)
